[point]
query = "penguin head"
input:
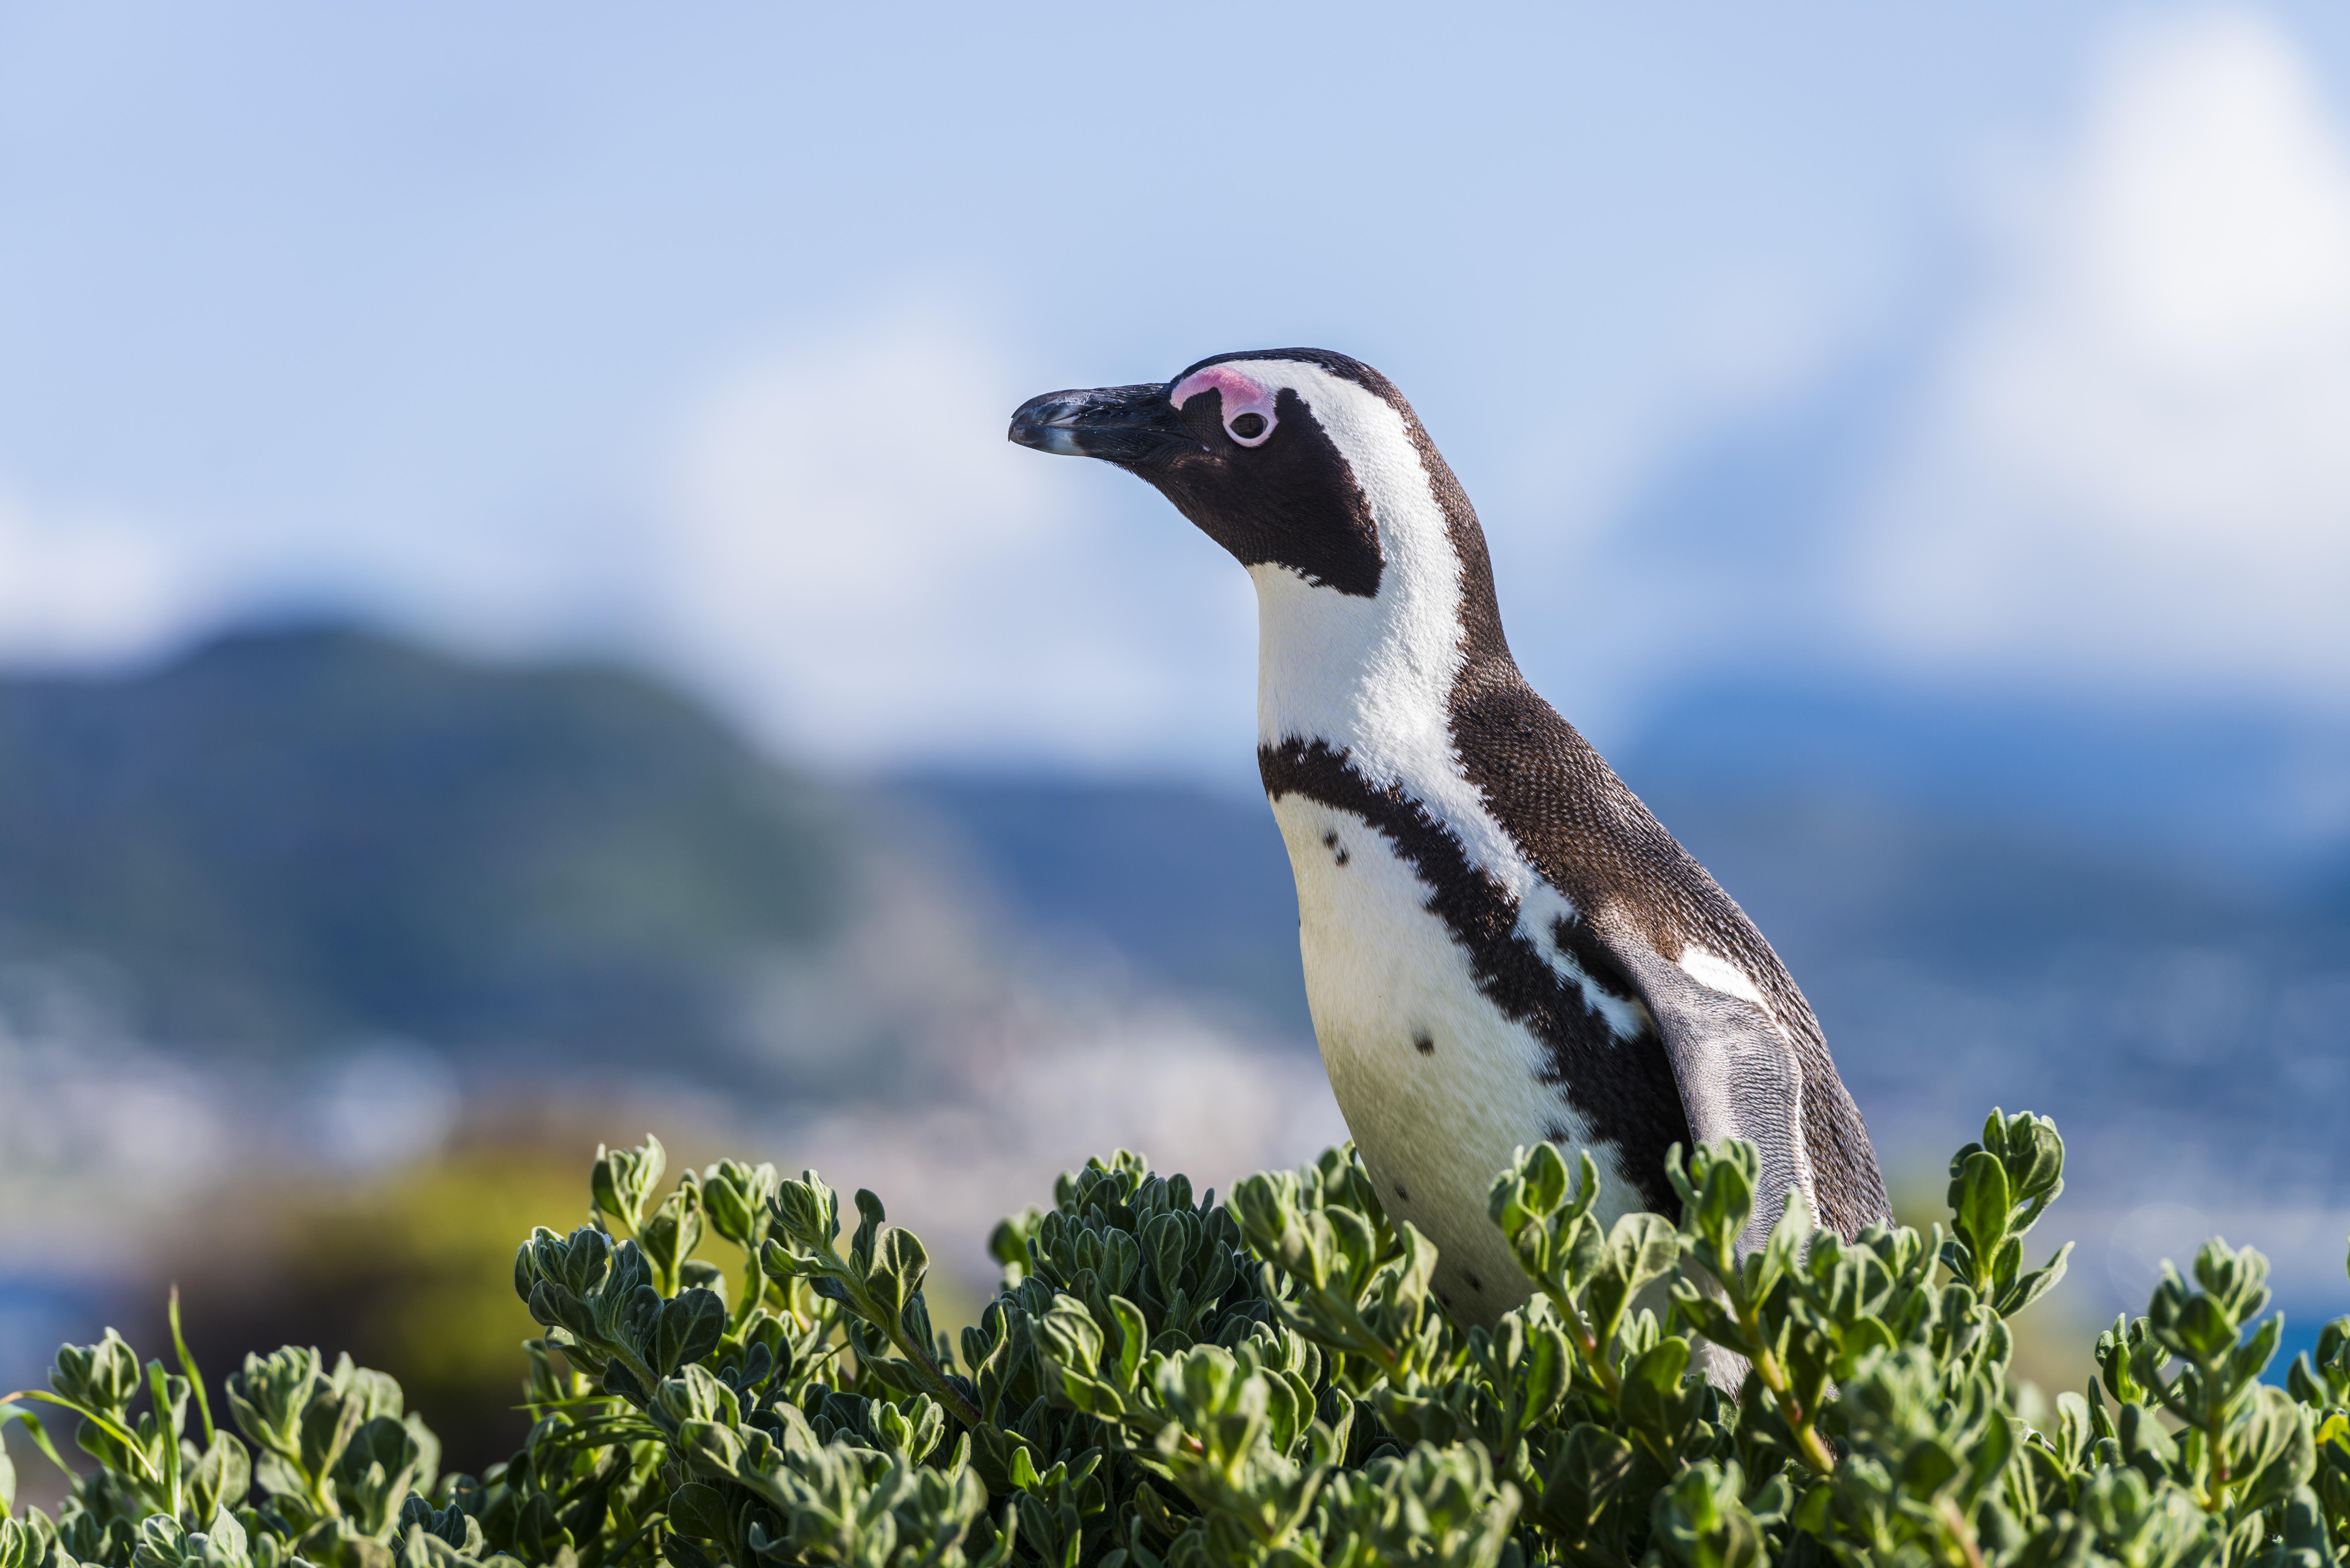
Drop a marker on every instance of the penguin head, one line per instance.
(1264, 451)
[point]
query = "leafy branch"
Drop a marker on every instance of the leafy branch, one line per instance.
(1163, 1381)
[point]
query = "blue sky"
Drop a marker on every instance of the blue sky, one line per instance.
(2001, 345)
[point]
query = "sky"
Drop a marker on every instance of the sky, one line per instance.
(2003, 346)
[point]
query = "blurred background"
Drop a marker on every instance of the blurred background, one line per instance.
(519, 626)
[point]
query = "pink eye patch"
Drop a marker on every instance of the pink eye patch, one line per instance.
(1242, 395)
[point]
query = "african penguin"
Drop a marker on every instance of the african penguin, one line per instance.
(1501, 944)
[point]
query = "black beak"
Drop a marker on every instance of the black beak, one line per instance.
(1125, 425)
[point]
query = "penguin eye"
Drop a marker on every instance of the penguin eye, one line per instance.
(1250, 428)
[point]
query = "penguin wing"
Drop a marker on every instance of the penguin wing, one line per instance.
(1738, 1076)
(1760, 1073)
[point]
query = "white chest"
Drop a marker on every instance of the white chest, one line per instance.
(1438, 1085)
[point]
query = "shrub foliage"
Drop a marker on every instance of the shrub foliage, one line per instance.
(1166, 1380)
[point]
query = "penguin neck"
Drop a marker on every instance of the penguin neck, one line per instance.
(1375, 677)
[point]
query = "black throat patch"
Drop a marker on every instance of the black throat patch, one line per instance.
(1622, 1089)
(1290, 503)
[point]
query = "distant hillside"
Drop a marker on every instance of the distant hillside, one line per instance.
(2226, 792)
(295, 840)
(1191, 886)
(290, 838)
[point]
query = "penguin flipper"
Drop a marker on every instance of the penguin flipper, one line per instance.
(1738, 1076)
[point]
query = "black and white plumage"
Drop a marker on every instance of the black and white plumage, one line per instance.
(1501, 944)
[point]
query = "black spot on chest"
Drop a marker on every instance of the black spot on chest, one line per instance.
(1622, 1089)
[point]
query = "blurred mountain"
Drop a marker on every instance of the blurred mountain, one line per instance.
(303, 839)
(1191, 886)
(291, 838)
(2228, 793)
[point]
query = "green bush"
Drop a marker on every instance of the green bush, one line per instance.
(1167, 1380)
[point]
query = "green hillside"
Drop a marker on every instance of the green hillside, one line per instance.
(297, 836)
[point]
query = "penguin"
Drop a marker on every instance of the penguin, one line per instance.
(1502, 946)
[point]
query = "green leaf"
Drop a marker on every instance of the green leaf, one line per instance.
(1700, 1521)
(2274, 1452)
(1658, 1401)
(39, 1435)
(266, 1399)
(738, 1197)
(101, 1377)
(1639, 1249)
(688, 1329)
(871, 1217)
(188, 1365)
(20, 1547)
(699, 1509)
(808, 1212)
(1133, 1334)
(2031, 1287)
(1549, 1362)
(669, 1237)
(623, 1181)
(219, 1480)
(1981, 1202)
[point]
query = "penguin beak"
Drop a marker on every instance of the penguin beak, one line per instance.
(1124, 425)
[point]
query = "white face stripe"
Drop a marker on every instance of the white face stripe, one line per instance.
(1374, 676)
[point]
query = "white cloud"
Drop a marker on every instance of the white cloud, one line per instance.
(81, 589)
(852, 555)
(2135, 463)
